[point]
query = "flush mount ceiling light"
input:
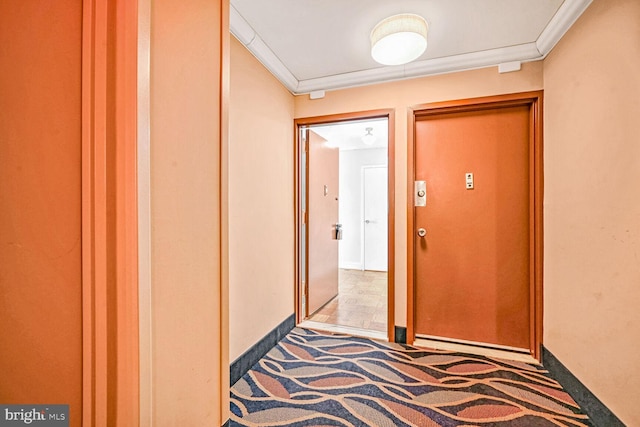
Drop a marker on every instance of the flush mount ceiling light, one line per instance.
(399, 39)
(368, 138)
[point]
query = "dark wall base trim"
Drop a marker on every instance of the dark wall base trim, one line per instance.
(598, 413)
(400, 334)
(250, 357)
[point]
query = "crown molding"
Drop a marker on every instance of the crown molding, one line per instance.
(565, 17)
(429, 67)
(241, 29)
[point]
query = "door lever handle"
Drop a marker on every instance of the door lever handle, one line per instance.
(422, 232)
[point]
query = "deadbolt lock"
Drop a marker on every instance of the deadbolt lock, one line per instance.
(420, 192)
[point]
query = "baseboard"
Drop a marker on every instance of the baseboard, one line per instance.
(599, 414)
(250, 357)
(400, 334)
(351, 265)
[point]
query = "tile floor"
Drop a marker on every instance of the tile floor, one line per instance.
(361, 301)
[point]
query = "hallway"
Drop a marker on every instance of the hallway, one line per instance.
(316, 378)
(361, 301)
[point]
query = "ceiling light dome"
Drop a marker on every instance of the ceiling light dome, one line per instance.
(368, 138)
(399, 39)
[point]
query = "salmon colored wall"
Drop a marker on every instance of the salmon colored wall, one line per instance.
(261, 247)
(401, 95)
(592, 203)
(189, 351)
(40, 196)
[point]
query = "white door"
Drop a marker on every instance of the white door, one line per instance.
(375, 217)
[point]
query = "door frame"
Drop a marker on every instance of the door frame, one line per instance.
(533, 100)
(298, 123)
(109, 221)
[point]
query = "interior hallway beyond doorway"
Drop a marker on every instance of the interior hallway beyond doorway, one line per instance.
(361, 301)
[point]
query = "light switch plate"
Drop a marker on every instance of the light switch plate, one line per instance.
(469, 180)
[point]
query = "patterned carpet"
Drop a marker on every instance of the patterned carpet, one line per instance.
(315, 379)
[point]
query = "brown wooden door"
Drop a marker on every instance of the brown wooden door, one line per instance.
(40, 204)
(472, 268)
(322, 219)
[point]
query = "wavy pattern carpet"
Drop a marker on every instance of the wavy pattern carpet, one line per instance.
(315, 379)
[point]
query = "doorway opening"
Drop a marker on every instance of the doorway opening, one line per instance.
(344, 223)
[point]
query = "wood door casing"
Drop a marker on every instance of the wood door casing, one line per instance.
(322, 264)
(299, 203)
(472, 269)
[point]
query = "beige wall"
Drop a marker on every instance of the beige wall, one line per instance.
(190, 385)
(399, 96)
(261, 240)
(592, 203)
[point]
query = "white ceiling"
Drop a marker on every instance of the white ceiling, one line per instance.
(348, 135)
(312, 45)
